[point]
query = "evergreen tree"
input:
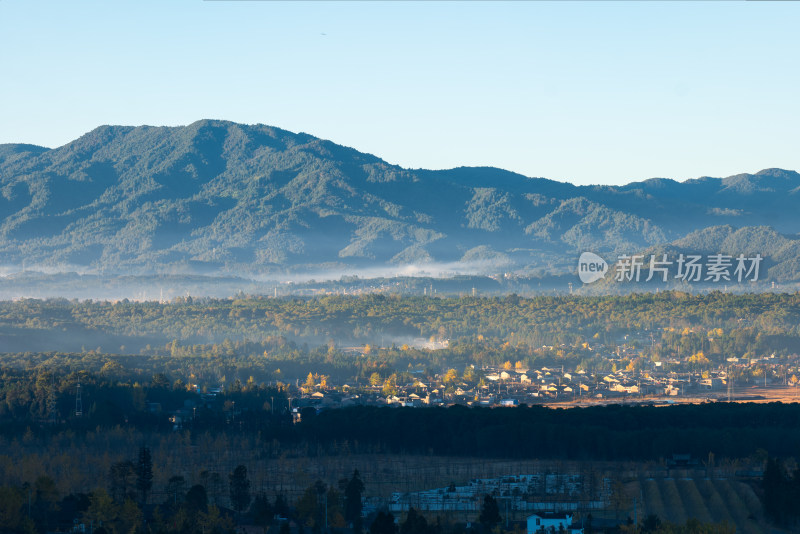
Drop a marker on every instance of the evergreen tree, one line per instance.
(281, 508)
(775, 486)
(239, 489)
(651, 523)
(262, 511)
(415, 523)
(490, 513)
(196, 499)
(352, 501)
(383, 524)
(144, 473)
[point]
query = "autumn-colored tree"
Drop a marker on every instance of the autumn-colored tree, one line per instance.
(11, 501)
(390, 385)
(213, 522)
(450, 376)
(308, 506)
(309, 383)
(469, 373)
(102, 509)
(122, 478)
(130, 518)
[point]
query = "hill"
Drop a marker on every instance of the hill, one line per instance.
(220, 197)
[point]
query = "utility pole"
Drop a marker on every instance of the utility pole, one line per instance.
(730, 385)
(78, 401)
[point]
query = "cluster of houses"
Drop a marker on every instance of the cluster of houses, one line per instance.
(547, 502)
(519, 493)
(512, 387)
(504, 387)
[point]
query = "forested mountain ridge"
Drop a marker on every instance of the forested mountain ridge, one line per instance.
(217, 196)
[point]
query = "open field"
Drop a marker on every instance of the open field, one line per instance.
(787, 394)
(706, 499)
(755, 394)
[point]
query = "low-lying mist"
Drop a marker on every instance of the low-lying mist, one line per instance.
(73, 282)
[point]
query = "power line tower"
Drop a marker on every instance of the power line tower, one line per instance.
(78, 401)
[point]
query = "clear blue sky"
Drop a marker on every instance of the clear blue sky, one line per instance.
(583, 92)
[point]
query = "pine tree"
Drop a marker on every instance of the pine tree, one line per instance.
(262, 511)
(490, 513)
(239, 488)
(281, 508)
(415, 523)
(774, 484)
(352, 501)
(196, 499)
(144, 473)
(383, 524)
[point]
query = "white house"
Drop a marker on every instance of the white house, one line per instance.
(625, 388)
(547, 522)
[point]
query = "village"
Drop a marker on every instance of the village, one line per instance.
(667, 382)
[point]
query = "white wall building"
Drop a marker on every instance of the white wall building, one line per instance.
(547, 522)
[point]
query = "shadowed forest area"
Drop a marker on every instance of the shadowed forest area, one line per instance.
(165, 409)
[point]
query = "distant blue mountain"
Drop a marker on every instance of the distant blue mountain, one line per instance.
(217, 196)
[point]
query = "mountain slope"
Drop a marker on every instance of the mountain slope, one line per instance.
(216, 196)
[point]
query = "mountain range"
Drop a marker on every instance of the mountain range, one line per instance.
(221, 197)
